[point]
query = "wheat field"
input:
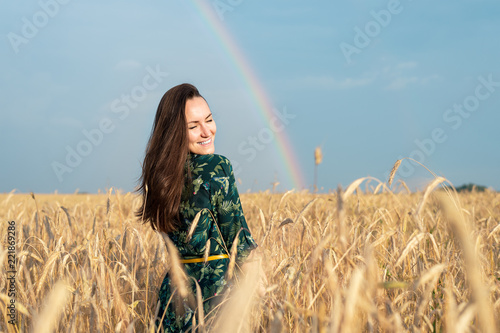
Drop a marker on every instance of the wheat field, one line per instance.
(363, 259)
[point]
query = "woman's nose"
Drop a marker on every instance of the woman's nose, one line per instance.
(205, 131)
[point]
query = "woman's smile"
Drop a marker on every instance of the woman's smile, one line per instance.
(205, 142)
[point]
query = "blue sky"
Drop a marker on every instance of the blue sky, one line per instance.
(368, 81)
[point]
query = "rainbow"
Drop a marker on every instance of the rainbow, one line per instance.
(259, 96)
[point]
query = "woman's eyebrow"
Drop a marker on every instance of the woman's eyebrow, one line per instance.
(196, 121)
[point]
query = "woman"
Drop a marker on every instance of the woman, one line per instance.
(184, 182)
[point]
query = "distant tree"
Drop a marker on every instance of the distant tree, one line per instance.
(471, 187)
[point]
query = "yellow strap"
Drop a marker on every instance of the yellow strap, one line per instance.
(218, 256)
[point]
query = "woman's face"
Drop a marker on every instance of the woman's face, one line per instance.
(201, 126)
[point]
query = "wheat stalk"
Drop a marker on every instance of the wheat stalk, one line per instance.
(193, 226)
(54, 305)
(393, 171)
(479, 293)
(428, 190)
(176, 271)
(313, 271)
(232, 257)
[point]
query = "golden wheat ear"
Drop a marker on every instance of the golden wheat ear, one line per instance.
(179, 277)
(193, 226)
(232, 258)
(393, 171)
(318, 155)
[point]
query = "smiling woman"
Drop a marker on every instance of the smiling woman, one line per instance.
(201, 126)
(190, 194)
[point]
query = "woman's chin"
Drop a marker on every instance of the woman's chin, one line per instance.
(203, 151)
(209, 151)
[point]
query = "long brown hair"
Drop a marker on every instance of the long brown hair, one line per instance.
(164, 172)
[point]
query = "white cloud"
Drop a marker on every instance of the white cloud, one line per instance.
(406, 65)
(329, 82)
(401, 82)
(392, 77)
(402, 74)
(430, 78)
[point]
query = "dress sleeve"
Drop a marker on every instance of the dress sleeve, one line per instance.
(229, 213)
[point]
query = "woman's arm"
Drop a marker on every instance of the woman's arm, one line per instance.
(230, 216)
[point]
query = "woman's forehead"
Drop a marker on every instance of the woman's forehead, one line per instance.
(197, 108)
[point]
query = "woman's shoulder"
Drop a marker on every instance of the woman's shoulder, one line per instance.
(215, 164)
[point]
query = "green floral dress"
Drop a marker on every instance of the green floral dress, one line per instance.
(213, 192)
